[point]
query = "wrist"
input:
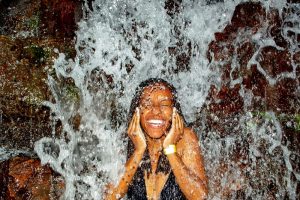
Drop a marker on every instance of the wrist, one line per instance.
(170, 149)
(140, 151)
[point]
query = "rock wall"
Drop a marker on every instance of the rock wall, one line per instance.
(265, 80)
(31, 34)
(254, 81)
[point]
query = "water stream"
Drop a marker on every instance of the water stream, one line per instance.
(119, 44)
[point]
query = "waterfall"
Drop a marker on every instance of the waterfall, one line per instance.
(120, 43)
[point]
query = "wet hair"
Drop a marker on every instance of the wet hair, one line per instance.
(163, 163)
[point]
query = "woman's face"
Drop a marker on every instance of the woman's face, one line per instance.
(156, 108)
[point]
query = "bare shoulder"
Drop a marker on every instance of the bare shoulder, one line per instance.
(189, 135)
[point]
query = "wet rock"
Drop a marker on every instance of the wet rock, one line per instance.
(226, 101)
(42, 18)
(19, 18)
(24, 67)
(283, 97)
(275, 24)
(274, 61)
(255, 78)
(255, 81)
(59, 17)
(296, 59)
(248, 15)
(26, 178)
(249, 65)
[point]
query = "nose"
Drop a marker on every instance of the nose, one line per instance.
(156, 109)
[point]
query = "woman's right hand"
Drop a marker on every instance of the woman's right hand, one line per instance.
(137, 136)
(135, 132)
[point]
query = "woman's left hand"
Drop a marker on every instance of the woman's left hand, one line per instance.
(176, 130)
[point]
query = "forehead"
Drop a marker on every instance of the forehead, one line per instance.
(157, 90)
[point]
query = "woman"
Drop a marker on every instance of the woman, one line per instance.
(164, 160)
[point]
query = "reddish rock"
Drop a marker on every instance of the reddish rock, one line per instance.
(255, 81)
(244, 53)
(222, 50)
(283, 97)
(26, 178)
(296, 58)
(275, 25)
(230, 54)
(24, 67)
(226, 101)
(235, 46)
(60, 17)
(41, 18)
(274, 61)
(297, 63)
(248, 15)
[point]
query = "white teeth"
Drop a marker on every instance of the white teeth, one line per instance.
(156, 121)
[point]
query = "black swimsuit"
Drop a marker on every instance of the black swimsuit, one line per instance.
(137, 188)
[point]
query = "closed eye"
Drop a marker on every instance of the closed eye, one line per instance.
(166, 104)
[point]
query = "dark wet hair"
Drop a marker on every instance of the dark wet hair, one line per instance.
(163, 163)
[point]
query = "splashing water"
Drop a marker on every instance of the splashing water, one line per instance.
(120, 44)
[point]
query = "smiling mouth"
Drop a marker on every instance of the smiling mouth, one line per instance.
(156, 122)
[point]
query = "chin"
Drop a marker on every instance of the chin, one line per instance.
(155, 134)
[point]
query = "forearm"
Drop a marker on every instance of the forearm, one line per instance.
(130, 169)
(191, 185)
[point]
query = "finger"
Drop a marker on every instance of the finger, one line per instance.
(177, 122)
(134, 125)
(174, 117)
(180, 122)
(137, 122)
(176, 130)
(181, 126)
(130, 125)
(138, 116)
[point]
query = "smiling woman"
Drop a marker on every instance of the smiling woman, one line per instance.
(156, 105)
(164, 157)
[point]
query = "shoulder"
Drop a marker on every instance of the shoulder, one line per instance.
(189, 135)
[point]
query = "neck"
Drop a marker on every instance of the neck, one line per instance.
(155, 147)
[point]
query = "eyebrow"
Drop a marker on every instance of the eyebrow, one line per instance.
(163, 99)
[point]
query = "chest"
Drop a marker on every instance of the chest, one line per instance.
(155, 183)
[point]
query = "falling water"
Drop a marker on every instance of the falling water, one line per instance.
(120, 44)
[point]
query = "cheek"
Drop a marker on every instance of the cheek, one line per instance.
(142, 117)
(142, 113)
(168, 114)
